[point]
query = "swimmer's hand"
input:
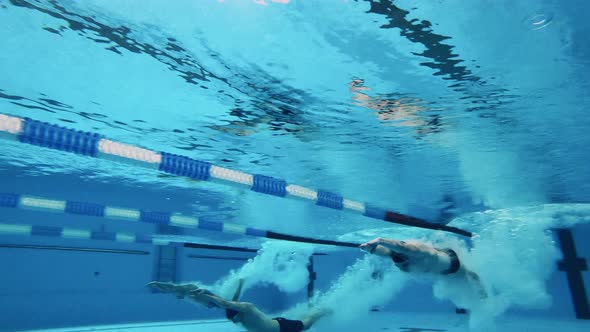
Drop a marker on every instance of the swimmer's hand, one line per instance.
(163, 286)
(169, 287)
(371, 245)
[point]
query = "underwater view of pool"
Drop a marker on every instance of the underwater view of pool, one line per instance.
(289, 165)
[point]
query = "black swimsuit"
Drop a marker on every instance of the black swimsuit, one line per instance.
(288, 325)
(455, 263)
(230, 314)
(285, 325)
(401, 261)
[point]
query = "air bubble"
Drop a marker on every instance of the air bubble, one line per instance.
(537, 21)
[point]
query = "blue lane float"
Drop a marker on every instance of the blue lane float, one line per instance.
(59, 138)
(55, 137)
(28, 202)
(82, 234)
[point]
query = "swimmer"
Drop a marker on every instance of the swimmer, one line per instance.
(419, 257)
(243, 313)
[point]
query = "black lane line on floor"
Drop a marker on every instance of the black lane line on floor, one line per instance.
(144, 326)
(62, 248)
(228, 248)
(573, 266)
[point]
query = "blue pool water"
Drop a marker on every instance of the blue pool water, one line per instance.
(469, 115)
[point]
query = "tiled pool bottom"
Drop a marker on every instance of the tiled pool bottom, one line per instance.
(375, 322)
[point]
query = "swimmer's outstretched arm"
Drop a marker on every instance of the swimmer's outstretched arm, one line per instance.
(220, 302)
(170, 287)
(202, 296)
(402, 247)
(181, 291)
(378, 250)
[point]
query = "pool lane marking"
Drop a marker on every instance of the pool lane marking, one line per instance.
(29, 202)
(55, 137)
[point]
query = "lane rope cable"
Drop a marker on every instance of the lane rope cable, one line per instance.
(26, 130)
(28, 202)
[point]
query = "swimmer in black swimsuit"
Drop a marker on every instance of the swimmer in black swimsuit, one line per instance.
(243, 313)
(415, 256)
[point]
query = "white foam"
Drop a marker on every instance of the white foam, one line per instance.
(363, 285)
(512, 251)
(514, 254)
(280, 263)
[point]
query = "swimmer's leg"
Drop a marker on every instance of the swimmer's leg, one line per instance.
(313, 317)
(476, 283)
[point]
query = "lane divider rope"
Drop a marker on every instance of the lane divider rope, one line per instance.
(55, 137)
(81, 234)
(28, 202)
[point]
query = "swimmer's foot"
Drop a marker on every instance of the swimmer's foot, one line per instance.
(314, 315)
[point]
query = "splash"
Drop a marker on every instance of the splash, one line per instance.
(363, 285)
(282, 264)
(514, 254)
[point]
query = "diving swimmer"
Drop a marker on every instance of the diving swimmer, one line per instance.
(418, 257)
(244, 313)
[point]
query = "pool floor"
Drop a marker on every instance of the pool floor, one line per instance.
(375, 322)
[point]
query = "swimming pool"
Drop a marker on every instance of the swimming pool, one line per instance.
(265, 140)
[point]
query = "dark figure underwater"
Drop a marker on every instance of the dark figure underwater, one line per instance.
(244, 313)
(418, 257)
